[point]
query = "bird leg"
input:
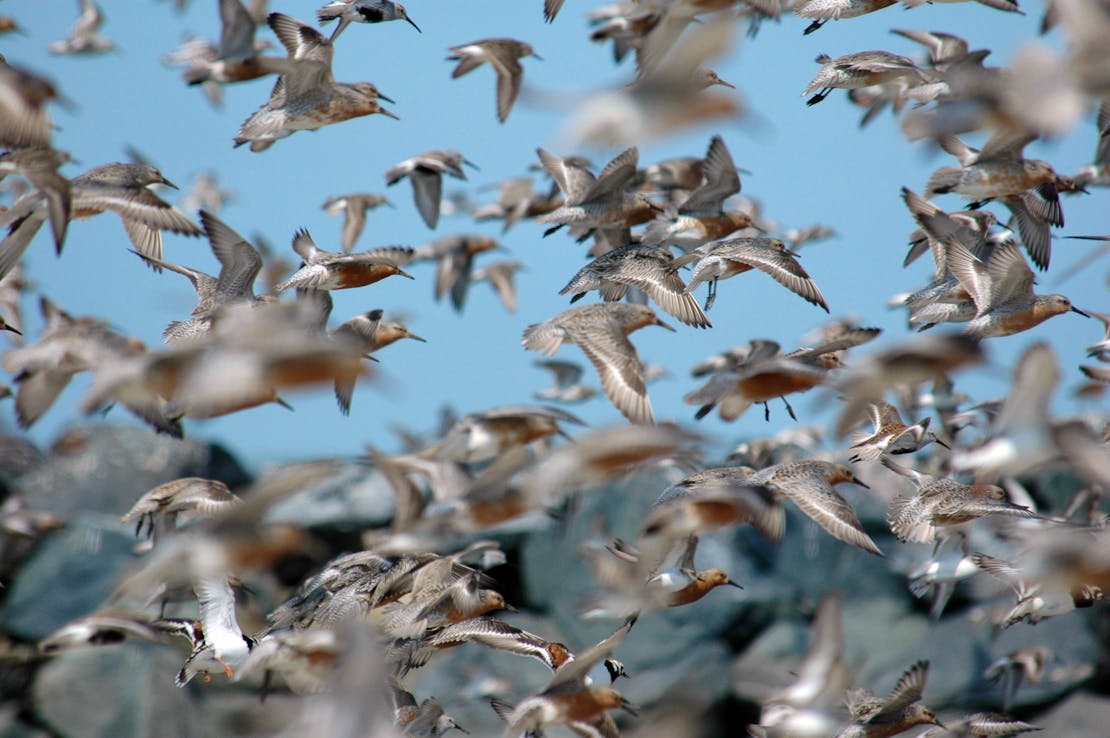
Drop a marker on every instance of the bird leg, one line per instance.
(788, 408)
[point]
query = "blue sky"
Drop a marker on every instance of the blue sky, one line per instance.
(808, 165)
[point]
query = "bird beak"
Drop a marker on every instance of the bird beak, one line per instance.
(472, 165)
(668, 326)
(387, 113)
(168, 183)
(413, 24)
(1074, 309)
(13, 330)
(942, 443)
(386, 98)
(855, 480)
(390, 204)
(415, 337)
(725, 83)
(403, 273)
(628, 707)
(510, 608)
(537, 56)
(734, 583)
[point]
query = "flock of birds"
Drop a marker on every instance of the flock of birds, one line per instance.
(353, 631)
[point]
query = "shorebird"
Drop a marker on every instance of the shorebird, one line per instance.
(306, 96)
(762, 373)
(980, 725)
(240, 264)
(425, 171)
(119, 187)
(223, 644)
(516, 199)
(568, 699)
(629, 585)
(891, 435)
(353, 208)
(823, 11)
(235, 59)
(366, 333)
(501, 278)
(710, 499)
(23, 97)
(68, 346)
(159, 508)
(331, 270)
(806, 706)
(568, 385)
(809, 485)
(601, 331)
(942, 504)
(1002, 290)
(999, 171)
(651, 269)
(603, 203)
(859, 69)
(454, 258)
(39, 166)
(504, 56)
(83, 37)
(925, 358)
(491, 632)
(361, 11)
(723, 259)
(484, 435)
(873, 716)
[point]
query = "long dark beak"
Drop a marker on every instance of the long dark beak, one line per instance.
(413, 24)
(510, 608)
(386, 98)
(537, 56)
(168, 183)
(415, 337)
(855, 480)
(733, 583)
(1074, 309)
(390, 204)
(628, 707)
(386, 113)
(942, 443)
(668, 326)
(472, 165)
(403, 273)
(16, 331)
(725, 83)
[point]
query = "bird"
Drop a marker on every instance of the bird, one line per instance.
(84, 36)
(425, 171)
(330, 270)
(809, 485)
(873, 716)
(353, 208)
(728, 257)
(891, 435)
(120, 187)
(361, 11)
(306, 96)
(650, 269)
(568, 385)
(504, 55)
(601, 331)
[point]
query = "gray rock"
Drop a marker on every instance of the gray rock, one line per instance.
(102, 468)
(1079, 716)
(356, 497)
(124, 691)
(70, 574)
